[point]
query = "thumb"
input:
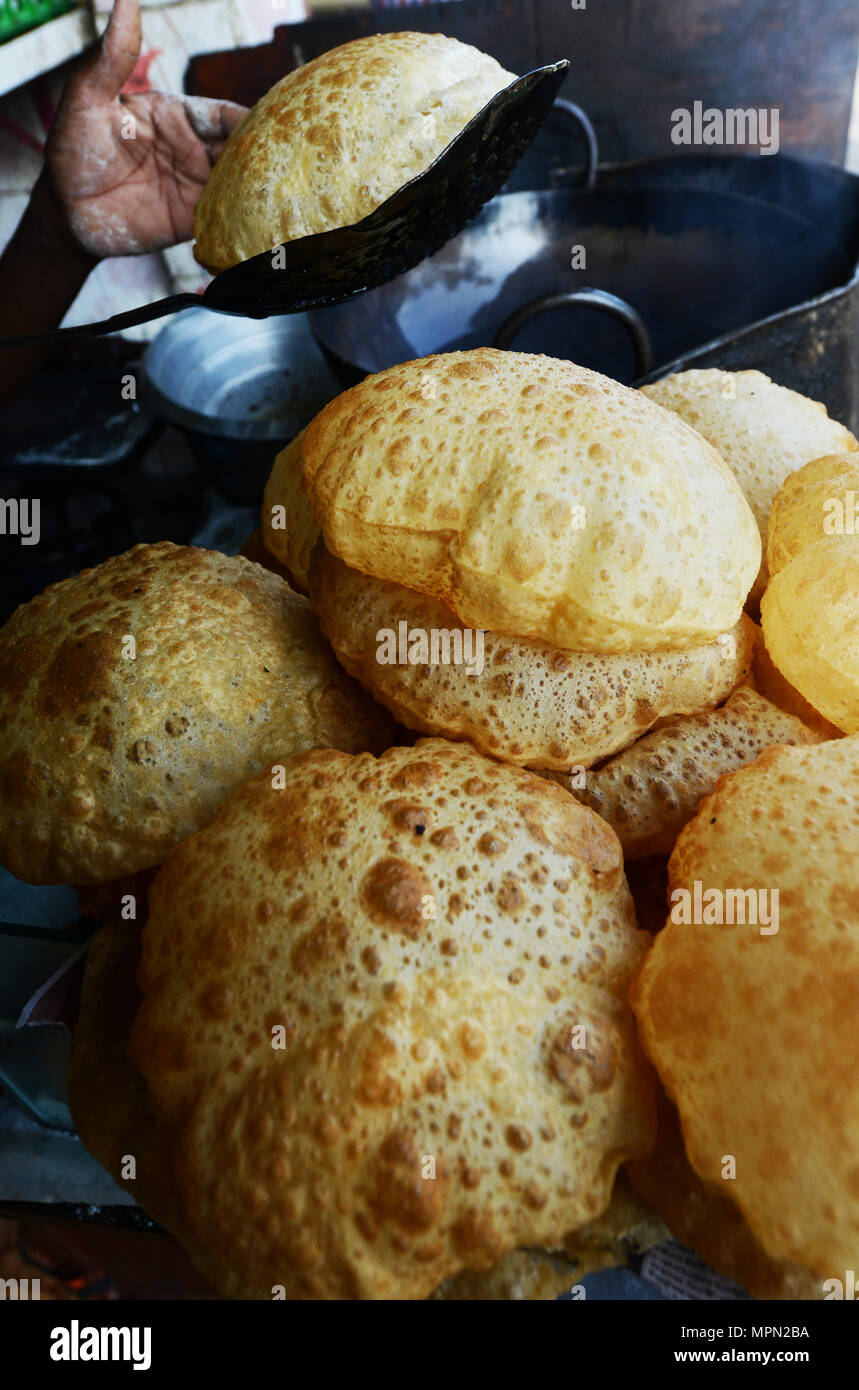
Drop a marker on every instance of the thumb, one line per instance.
(211, 119)
(102, 79)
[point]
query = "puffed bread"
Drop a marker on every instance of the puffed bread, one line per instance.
(135, 696)
(426, 930)
(535, 499)
(532, 703)
(753, 1032)
(110, 1108)
(333, 140)
(652, 789)
(763, 432)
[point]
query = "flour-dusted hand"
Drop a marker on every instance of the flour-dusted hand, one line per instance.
(127, 170)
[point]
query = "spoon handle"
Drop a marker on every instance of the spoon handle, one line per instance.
(143, 314)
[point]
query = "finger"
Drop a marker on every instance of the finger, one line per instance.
(212, 120)
(114, 62)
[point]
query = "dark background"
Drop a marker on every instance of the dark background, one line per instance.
(633, 61)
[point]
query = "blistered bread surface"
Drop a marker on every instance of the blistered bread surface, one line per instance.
(762, 430)
(534, 498)
(333, 140)
(359, 997)
(530, 703)
(135, 696)
(753, 1033)
(649, 791)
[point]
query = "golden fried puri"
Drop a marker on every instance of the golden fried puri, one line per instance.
(384, 1030)
(333, 140)
(649, 791)
(810, 612)
(530, 703)
(535, 499)
(707, 1221)
(769, 682)
(289, 528)
(763, 432)
(135, 696)
(747, 1004)
(810, 621)
(821, 499)
(110, 1105)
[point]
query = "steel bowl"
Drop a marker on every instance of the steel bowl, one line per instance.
(239, 388)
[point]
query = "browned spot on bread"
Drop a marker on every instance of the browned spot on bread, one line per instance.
(445, 839)
(511, 898)
(591, 1066)
(518, 1138)
(492, 844)
(79, 674)
(473, 1040)
(321, 944)
(376, 1086)
(216, 1001)
(402, 1195)
(24, 659)
(21, 780)
(408, 816)
(393, 892)
(415, 776)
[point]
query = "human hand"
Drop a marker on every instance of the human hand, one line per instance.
(127, 170)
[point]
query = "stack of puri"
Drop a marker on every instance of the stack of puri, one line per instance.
(391, 1028)
(600, 547)
(376, 1039)
(422, 496)
(752, 1029)
(603, 549)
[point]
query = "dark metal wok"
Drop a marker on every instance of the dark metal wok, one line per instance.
(730, 261)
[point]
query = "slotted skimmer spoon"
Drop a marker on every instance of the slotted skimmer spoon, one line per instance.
(315, 272)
